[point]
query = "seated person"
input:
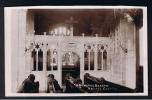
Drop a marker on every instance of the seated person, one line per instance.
(29, 86)
(71, 86)
(53, 86)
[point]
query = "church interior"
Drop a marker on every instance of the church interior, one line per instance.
(94, 46)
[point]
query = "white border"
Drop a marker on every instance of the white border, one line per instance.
(8, 53)
(76, 7)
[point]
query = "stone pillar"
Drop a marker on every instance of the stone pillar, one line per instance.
(111, 57)
(59, 61)
(108, 60)
(96, 55)
(131, 60)
(22, 13)
(31, 61)
(37, 59)
(82, 60)
(89, 59)
(44, 67)
(102, 60)
(44, 53)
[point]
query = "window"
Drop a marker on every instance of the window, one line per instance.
(55, 62)
(48, 60)
(99, 60)
(40, 60)
(51, 60)
(91, 60)
(86, 60)
(34, 56)
(102, 58)
(37, 58)
(105, 60)
(89, 57)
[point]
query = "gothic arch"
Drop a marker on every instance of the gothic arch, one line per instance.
(70, 65)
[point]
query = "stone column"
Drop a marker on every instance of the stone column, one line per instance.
(44, 59)
(37, 59)
(22, 13)
(44, 53)
(31, 61)
(59, 61)
(44, 67)
(111, 57)
(89, 60)
(96, 55)
(102, 60)
(82, 59)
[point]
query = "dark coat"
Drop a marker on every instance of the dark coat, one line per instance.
(29, 87)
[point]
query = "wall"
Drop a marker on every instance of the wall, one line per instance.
(14, 47)
(124, 59)
(123, 67)
(18, 26)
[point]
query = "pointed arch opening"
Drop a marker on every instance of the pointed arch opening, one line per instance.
(34, 60)
(40, 60)
(105, 60)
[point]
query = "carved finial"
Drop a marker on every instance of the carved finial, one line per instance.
(83, 34)
(96, 35)
(44, 33)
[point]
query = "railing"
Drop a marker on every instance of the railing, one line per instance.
(79, 39)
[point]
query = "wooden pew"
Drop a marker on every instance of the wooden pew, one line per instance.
(100, 85)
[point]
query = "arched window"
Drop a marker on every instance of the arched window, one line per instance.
(48, 59)
(52, 62)
(40, 60)
(99, 60)
(34, 56)
(105, 60)
(86, 60)
(55, 62)
(91, 60)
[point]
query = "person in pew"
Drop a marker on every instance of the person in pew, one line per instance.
(29, 86)
(53, 86)
(68, 83)
(72, 84)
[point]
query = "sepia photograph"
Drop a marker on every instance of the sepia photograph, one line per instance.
(76, 51)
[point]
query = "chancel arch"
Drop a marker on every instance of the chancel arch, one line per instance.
(70, 65)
